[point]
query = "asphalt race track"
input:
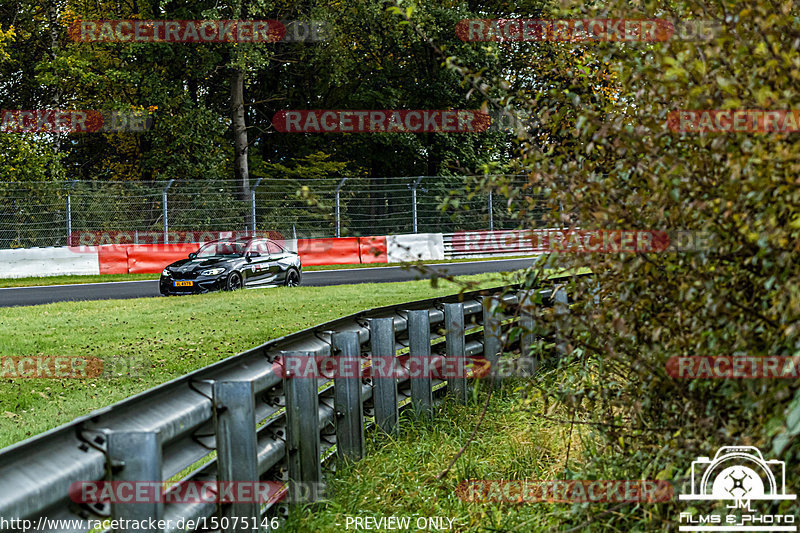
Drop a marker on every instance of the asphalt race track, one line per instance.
(316, 278)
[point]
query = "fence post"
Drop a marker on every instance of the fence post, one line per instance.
(492, 330)
(136, 456)
(165, 210)
(419, 361)
(338, 212)
(455, 345)
(69, 217)
(237, 455)
(491, 212)
(384, 388)
(69, 212)
(347, 404)
(414, 203)
(253, 206)
(302, 428)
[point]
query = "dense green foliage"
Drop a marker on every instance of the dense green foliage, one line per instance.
(367, 62)
(611, 161)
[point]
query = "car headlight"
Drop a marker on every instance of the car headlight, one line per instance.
(212, 271)
(166, 272)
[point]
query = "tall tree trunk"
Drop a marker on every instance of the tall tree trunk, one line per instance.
(238, 122)
(240, 166)
(52, 15)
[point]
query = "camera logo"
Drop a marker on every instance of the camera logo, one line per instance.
(739, 474)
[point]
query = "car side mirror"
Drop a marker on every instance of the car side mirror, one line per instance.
(250, 255)
(192, 255)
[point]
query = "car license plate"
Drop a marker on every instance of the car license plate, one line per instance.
(184, 283)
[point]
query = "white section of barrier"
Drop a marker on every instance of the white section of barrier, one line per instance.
(413, 247)
(27, 262)
(509, 243)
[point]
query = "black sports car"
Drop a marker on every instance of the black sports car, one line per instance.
(230, 264)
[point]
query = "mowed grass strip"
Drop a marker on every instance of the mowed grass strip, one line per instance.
(162, 338)
(397, 476)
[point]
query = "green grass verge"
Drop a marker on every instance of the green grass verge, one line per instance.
(166, 338)
(72, 280)
(105, 278)
(397, 477)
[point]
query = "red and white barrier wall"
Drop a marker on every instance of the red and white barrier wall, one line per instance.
(152, 258)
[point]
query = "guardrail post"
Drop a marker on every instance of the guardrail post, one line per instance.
(384, 388)
(561, 307)
(347, 404)
(455, 345)
(237, 456)
(419, 362)
(138, 453)
(527, 339)
(492, 342)
(302, 428)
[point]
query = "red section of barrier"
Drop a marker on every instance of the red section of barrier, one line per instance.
(372, 250)
(113, 259)
(343, 251)
(151, 259)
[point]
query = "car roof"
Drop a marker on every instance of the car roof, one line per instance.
(240, 239)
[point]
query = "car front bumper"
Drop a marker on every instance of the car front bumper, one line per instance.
(199, 285)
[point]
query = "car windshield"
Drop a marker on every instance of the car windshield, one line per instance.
(221, 248)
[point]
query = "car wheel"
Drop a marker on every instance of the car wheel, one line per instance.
(292, 278)
(234, 282)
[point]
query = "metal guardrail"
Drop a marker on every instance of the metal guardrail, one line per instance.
(241, 419)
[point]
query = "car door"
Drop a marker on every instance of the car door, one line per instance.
(276, 254)
(257, 268)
